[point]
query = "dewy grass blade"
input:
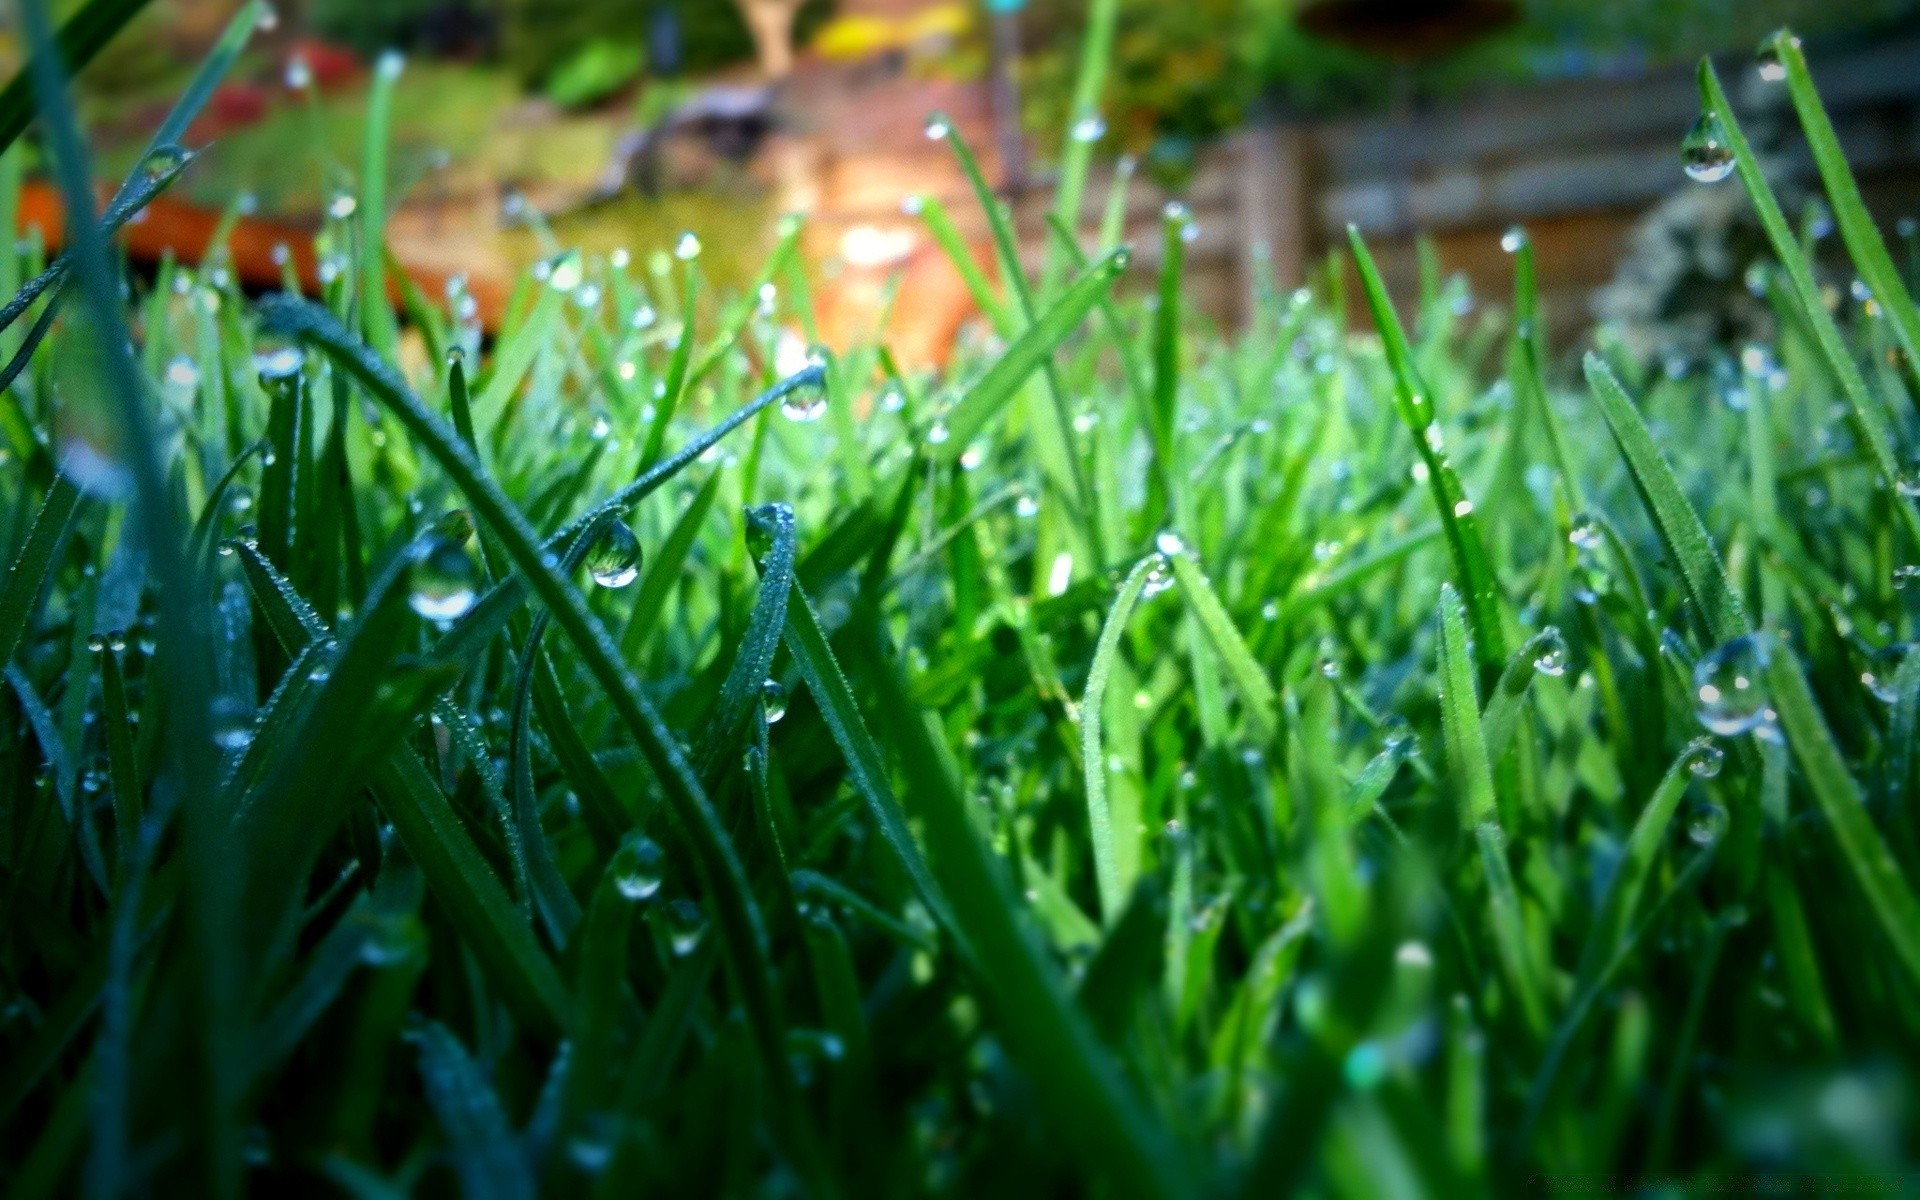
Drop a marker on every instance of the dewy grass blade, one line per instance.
(1685, 539)
(741, 690)
(1256, 690)
(1862, 848)
(1869, 425)
(717, 860)
(1031, 349)
(182, 624)
(1473, 775)
(814, 659)
(27, 578)
(1116, 853)
(1472, 572)
(83, 36)
(1530, 344)
(1096, 52)
(1086, 1095)
(1857, 228)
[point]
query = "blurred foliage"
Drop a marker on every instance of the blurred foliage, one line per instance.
(594, 72)
(1187, 71)
(540, 35)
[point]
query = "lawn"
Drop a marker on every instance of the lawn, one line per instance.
(1133, 761)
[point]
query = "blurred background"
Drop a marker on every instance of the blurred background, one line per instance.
(616, 124)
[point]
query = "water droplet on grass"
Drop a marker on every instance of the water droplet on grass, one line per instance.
(277, 358)
(1704, 153)
(637, 867)
(1090, 128)
(1881, 669)
(685, 926)
(773, 701)
(163, 161)
(938, 127)
(1704, 759)
(1729, 682)
(231, 720)
(614, 561)
(1551, 656)
(1513, 240)
(441, 581)
(1707, 823)
(1159, 578)
(687, 248)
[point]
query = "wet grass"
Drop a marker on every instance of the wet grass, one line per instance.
(1132, 762)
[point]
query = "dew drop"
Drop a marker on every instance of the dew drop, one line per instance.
(1704, 153)
(390, 64)
(1026, 507)
(804, 404)
(1729, 683)
(1090, 128)
(163, 161)
(1704, 759)
(1706, 823)
(938, 127)
(1513, 240)
(687, 248)
(277, 358)
(614, 561)
(1551, 653)
(773, 701)
(232, 722)
(1585, 534)
(685, 925)
(1881, 669)
(563, 272)
(393, 940)
(342, 206)
(637, 867)
(1159, 578)
(298, 75)
(937, 433)
(441, 581)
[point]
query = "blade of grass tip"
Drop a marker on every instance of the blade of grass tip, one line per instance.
(1174, 222)
(1006, 244)
(664, 567)
(122, 774)
(1116, 856)
(1465, 547)
(81, 37)
(1504, 707)
(771, 532)
(1857, 229)
(716, 859)
(183, 655)
(1864, 850)
(27, 578)
(376, 313)
(558, 908)
(1473, 774)
(1096, 51)
(1682, 535)
(1530, 340)
(947, 236)
(1256, 690)
(598, 997)
(1086, 1095)
(467, 888)
(1032, 348)
(485, 1155)
(1869, 426)
(820, 671)
(676, 369)
(776, 264)
(1609, 933)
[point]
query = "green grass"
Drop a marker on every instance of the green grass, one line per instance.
(1131, 762)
